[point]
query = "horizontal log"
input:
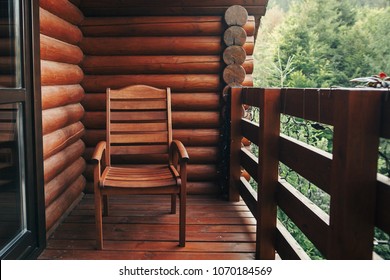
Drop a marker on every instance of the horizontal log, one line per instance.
(202, 172)
(55, 27)
(158, 26)
(180, 119)
(180, 101)
(236, 15)
(200, 45)
(248, 65)
(249, 45)
(56, 118)
(152, 26)
(198, 155)
(60, 183)
(195, 101)
(203, 188)
(58, 140)
(59, 206)
(197, 137)
(59, 51)
(56, 73)
(57, 96)
(167, 3)
(112, 65)
(75, 2)
(177, 82)
(164, 10)
(63, 9)
(189, 137)
(55, 164)
(248, 82)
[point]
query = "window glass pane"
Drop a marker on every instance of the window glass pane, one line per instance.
(10, 65)
(12, 196)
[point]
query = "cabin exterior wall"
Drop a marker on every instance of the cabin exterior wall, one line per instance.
(82, 56)
(62, 112)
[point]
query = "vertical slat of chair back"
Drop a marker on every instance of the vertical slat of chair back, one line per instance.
(138, 122)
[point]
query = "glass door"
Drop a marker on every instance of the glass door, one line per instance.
(21, 195)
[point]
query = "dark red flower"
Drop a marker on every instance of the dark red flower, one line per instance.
(382, 75)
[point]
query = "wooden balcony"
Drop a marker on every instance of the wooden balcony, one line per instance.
(140, 227)
(248, 228)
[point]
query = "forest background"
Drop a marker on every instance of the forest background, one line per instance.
(322, 44)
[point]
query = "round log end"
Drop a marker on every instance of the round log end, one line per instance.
(234, 36)
(236, 15)
(234, 73)
(234, 55)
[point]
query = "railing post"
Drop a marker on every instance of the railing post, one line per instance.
(235, 143)
(269, 130)
(353, 175)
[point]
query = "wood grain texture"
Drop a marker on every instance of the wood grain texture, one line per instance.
(64, 9)
(55, 27)
(212, 231)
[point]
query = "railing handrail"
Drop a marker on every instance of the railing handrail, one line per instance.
(359, 117)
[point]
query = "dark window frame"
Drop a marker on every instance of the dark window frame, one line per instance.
(32, 243)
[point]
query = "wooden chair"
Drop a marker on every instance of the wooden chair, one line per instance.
(139, 123)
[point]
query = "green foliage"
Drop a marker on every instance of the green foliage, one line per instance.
(314, 44)
(331, 42)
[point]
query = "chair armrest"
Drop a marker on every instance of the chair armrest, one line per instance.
(177, 148)
(99, 152)
(99, 161)
(178, 155)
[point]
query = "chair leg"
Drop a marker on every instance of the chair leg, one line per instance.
(182, 218)
(98, 221)
(173, 204)
(105, 206)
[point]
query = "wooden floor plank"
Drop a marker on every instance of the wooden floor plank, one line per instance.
(140, 227)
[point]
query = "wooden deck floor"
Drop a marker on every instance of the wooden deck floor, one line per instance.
(142, 228)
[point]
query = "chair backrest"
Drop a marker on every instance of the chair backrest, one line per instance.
(139, 122)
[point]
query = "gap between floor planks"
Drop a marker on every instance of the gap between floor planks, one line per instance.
(140, 227)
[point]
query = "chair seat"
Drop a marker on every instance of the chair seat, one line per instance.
(138, 177)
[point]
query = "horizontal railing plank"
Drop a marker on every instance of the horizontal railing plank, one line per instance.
(385, 121)
(286, 246)
(310, 162)
(250, 130)
(249, 162)
(310, 104)
(249, 195)
(312, 221)
(251, 97)
(382, 215)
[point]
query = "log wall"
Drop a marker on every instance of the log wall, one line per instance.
(62, 93)
(182, 52)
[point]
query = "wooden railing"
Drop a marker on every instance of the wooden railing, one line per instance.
(359, 198)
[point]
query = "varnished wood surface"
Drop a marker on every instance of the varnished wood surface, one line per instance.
(216, 229)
